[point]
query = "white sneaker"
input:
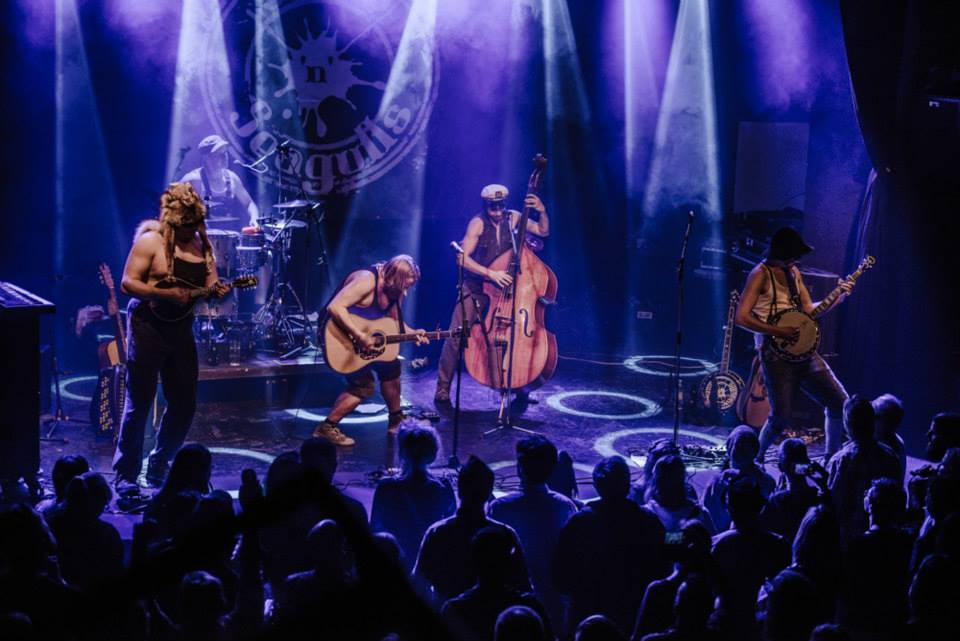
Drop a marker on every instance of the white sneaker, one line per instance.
(333, 434)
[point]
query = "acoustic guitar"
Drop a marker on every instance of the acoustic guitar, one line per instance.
(345, 355)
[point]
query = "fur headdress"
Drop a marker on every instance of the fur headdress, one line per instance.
(180, 205)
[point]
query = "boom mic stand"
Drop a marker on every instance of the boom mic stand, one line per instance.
(679, 339)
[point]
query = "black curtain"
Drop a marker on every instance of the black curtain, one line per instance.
(899, 332)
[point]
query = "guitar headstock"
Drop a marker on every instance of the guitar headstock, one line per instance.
(245, 282)
(105, 276)
(867, 262)
(734, 297)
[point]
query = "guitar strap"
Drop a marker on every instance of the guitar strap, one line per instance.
(792, 284)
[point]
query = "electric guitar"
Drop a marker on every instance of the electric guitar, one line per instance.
(171, 312)
(717, 393)
(107, 404)
(801, 348)
(345, 355)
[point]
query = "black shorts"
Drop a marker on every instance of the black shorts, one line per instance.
(360, 383)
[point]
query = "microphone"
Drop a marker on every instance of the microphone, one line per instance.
(456, 246)
(690, 215)
(284, 144)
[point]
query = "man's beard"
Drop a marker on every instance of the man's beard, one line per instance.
(392, 292)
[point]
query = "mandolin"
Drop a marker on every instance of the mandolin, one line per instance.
(171, 312)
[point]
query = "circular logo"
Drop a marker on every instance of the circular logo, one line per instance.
(332, 78)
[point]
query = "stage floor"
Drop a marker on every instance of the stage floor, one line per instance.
(595, 405)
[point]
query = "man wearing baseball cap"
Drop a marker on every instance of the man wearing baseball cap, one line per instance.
(488, 236)
(229, 206)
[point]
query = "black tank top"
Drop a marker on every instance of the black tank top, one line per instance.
(373, 311)
(489, 246)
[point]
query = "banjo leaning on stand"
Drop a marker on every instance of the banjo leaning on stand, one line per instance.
(801, 348)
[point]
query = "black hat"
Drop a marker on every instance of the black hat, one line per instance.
(787, 244)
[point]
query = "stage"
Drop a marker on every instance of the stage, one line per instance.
(595, 406)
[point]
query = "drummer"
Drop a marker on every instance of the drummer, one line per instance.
(229, 206)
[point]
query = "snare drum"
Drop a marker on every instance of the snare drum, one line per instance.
(224, 245)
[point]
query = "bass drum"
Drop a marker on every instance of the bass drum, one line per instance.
(224, 245)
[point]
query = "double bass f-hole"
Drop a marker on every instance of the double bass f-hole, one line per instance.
(526, 322)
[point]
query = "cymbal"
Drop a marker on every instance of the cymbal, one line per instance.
(295, 204)
(222, 219)
(290, 224)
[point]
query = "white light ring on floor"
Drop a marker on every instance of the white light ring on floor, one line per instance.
(556, 402)
(604, 445)
(72, 380)
(499, 465)
(307, 415)
(263, 457)
(634, 363)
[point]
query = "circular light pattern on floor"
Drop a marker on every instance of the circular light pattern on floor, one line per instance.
(65, 384)
(556, 401)
(307, 415)
(638, 364)
(604, 446)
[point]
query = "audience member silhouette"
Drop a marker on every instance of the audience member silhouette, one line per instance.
(791, 607)
(818, 555)
(856, 465)
(29, 580)
(640, 491)
(319, 458)
(444, 558)
(692, 609)
(829, 632)
(690, 555)
(65, 469)
(519, 623)
(474, 612)
(874, 602)
(203, 607)
(889, 414)
(563, 479)
(747, 555)
(89, 549)
(786, 507)
(743, 446)
(536, 513)
(943, 434)
(933, 596)
(610, 551)
(597, 627)
(409, 504)
(669, 499)
(190, 472)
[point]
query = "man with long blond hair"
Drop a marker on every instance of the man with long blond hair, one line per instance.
(372, 292)
(170, 256)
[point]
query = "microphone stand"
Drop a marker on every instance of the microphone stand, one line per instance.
(679, 339)
(454, 462)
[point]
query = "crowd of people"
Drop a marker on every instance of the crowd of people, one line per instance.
(845, 550)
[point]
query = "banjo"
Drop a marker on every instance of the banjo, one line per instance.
(718, 392)
(801, 348)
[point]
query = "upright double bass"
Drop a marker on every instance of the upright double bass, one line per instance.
(512, 348)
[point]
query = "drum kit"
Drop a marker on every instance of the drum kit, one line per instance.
(272, 318)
